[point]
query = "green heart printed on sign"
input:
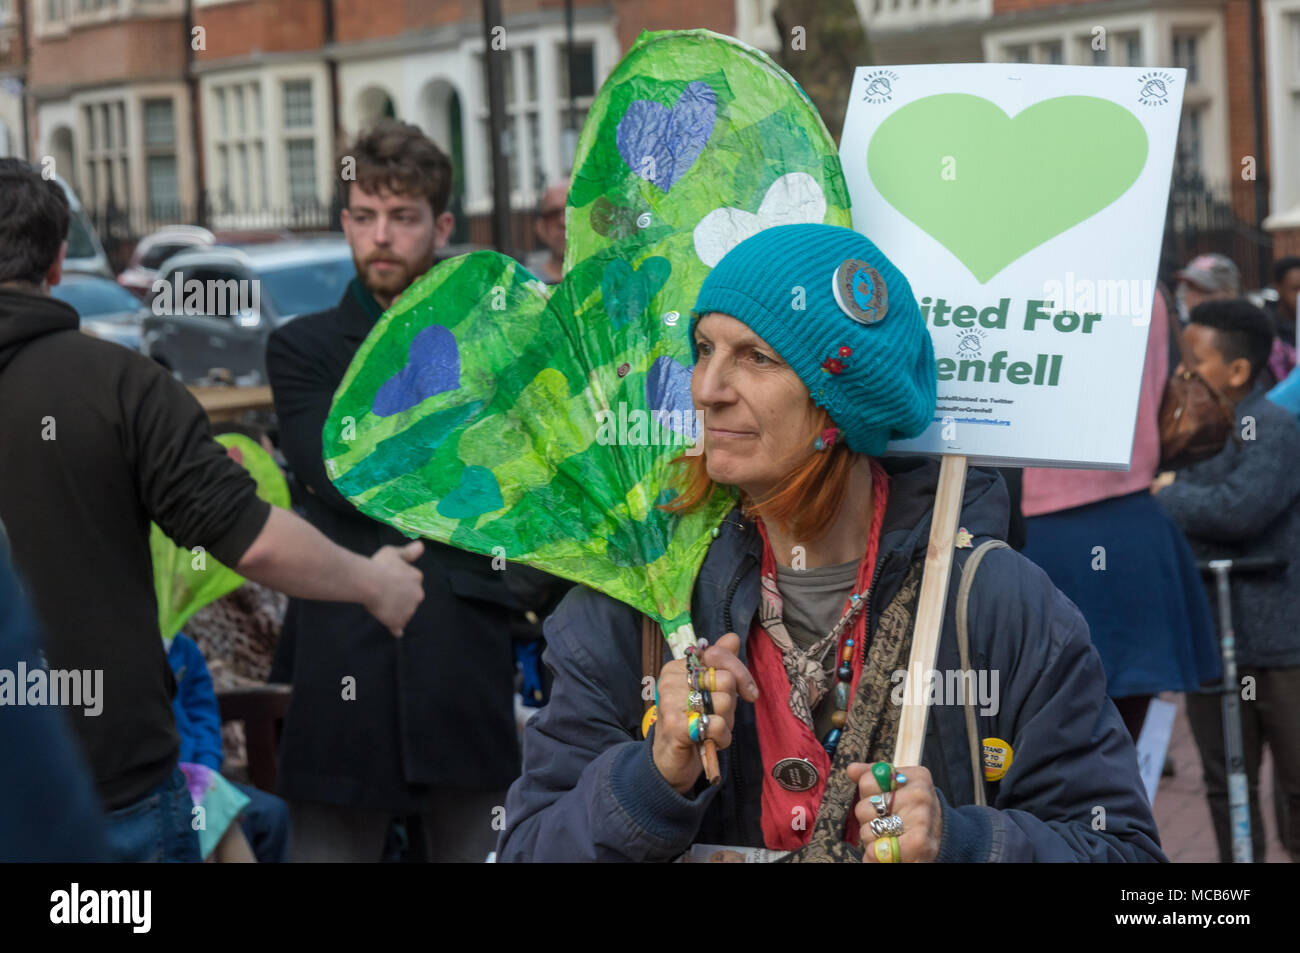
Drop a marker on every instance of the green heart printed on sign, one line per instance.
(539, 424)
(991, 187)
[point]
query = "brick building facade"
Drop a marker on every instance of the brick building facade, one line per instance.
(154, 104)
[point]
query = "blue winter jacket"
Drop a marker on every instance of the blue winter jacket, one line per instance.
(198, 715)
(590, 790)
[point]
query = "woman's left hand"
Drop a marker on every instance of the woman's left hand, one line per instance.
(915, 802)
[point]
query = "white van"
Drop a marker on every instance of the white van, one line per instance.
(85, 253)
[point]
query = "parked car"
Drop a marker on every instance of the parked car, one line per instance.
(85, 252)
(107, 311)
(217, 305)
(156, 247)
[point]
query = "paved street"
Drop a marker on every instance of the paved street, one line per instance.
(1181, 811)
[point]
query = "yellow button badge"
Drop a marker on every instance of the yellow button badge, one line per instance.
(651, 715)
(997, 758)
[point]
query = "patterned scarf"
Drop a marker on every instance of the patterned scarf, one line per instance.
(804, 669)
(788, 686)
(869, 735)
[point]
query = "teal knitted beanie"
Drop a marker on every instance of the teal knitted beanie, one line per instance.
(842, 316)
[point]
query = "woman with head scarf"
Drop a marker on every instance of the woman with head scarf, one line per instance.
(811, 355)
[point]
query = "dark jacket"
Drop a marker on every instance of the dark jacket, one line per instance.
(48, 809)
(434, 707)
(97, 441)
(1245, 501)
(590, 790)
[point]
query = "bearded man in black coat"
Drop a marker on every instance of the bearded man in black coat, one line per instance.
(381, 728)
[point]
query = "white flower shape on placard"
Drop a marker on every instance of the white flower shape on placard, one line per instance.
(793, 199)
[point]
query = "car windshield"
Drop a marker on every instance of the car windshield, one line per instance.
(157, 254)
(95, 298)
(304, 289)
(80, 244)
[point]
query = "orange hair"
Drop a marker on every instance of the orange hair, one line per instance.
(805, 502)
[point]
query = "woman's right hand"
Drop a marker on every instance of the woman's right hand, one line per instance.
(675, 755)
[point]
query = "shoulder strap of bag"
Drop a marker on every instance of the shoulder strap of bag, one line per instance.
(963, 646)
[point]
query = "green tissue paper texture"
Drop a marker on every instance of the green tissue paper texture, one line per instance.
(184, 582)
(480, 409)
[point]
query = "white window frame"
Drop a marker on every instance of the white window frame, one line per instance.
(883, 16)
(754, 24)
(518, 108)
(227, 141)
(309, 133)
(269, 189)
(45, 25)
(1282, 64)
(150, 150)
(108, 111)
(548, 41)
(1209, 93)
(89, 12)
(1155, 29)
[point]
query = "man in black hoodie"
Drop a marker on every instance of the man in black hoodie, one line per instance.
(98, 441)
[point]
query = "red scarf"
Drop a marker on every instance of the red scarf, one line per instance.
(781, 734)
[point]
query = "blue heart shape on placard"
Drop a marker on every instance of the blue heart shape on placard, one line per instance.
(660, 144)
(668, 393)
(433, 368)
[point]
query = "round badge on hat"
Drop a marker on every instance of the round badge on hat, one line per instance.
(860, 291)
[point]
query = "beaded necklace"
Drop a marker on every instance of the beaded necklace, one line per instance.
(843, 673)
(805, 668)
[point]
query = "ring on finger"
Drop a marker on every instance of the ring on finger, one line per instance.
(711, 679)
(878, 802)
(706, 701)
(693, 679)
(698, 726)
(887, 850)
(695, 701)
(890, 826)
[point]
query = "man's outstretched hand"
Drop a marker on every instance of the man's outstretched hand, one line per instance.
(397, 585)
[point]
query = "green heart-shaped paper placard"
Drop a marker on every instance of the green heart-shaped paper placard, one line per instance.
(991, 187)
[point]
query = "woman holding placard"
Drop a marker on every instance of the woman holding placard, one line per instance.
(811, 355)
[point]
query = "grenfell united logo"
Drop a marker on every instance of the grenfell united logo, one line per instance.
(970, 342)
(879, 86)
(1155, 88)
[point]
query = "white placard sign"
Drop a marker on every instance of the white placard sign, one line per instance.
(1026, 206)
(1153, 744)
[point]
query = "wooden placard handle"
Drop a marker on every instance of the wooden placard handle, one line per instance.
(930, 606)
(709, 758)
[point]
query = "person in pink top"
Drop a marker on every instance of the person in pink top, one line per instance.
(1107, 544)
